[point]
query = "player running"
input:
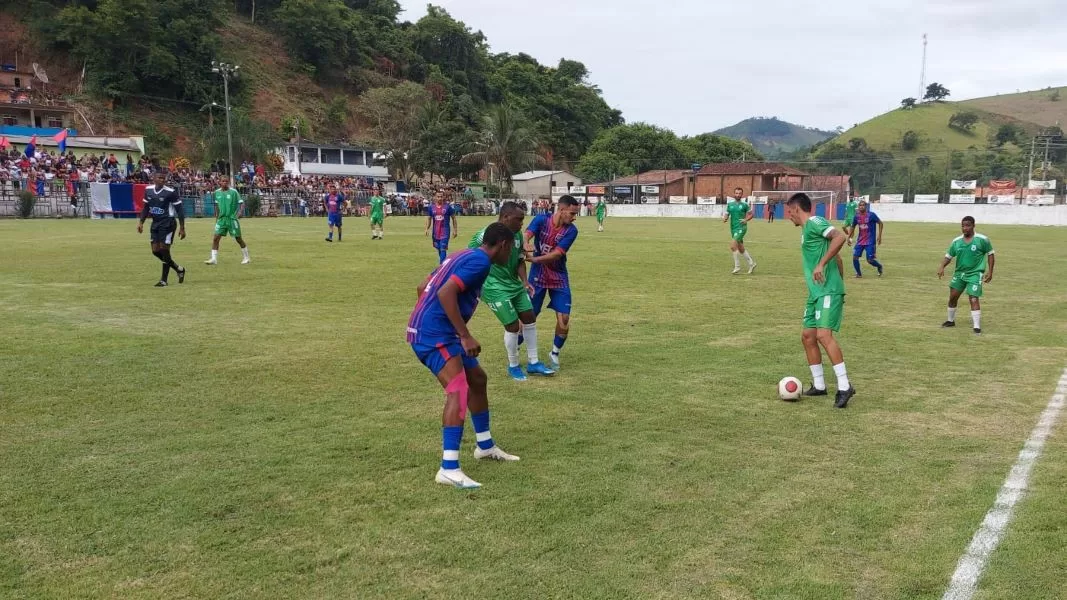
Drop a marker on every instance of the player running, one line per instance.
(438, 218)
(739, 214)
(601, 212)
(552, 236)
(335, 203)
(438, 334)
(864, 220)
(227, 204)
(377, 217)
(974, 256)
(164, 205)
(819, 245)
(507, 294)
(850, 213)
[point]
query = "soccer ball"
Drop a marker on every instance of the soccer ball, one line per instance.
(789, 389)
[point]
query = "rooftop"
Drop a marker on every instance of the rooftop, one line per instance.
(750, 168)
(528, 175)
(660, 176)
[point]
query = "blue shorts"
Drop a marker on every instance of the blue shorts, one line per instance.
(440, 244)
(559, 300)
(434, 356)
(871, 250)
(333, 219)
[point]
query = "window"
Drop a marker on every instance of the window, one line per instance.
(570, 184)
(552, 183)
(292, 154)
(10, 120)
(55, 122)
(331, 156)
(354, 157)
(18, 82)
(309, 155)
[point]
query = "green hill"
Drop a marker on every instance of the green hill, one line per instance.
(772, 136)
(1044, 107)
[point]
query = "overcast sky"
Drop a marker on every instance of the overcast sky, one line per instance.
(698, 65)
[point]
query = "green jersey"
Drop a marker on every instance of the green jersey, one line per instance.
(737, 210)
(970, 254)
(814, 241)
(601, 209)
(503, 278)
(850, 211)
(377, 207)
(227, 203)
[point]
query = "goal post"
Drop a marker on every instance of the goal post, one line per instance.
(824, 202)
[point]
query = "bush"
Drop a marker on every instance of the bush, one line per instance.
(252, 205)
(26, 203)
(910, 141)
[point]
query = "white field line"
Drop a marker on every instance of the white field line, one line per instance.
(972, 564)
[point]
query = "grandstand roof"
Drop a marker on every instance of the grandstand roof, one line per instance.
(533, 175)
(750, 168)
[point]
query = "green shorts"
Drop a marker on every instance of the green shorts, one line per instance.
(971, 284)
(824, 312)
(377, 220)
(507, 305)
(228, 226)
(739, 234)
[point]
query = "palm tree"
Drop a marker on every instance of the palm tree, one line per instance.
(506, 142)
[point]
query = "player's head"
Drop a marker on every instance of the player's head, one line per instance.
(224, 182)
(798, 209)
(159, 178)
(511, 215)
(439, 197)
(498, 241)
(567, 209)
(862, 207)
(738, 193)
(967, 226)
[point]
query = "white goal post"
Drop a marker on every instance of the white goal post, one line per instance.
(829, 198)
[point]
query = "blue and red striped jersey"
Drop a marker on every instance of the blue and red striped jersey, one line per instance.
(549, 237)
(428, 323)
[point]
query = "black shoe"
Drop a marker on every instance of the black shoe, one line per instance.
(329, 239)
(813, 391)
(843, 396)
(949, 324)
(161, 284)
(181, 276)
(977, 331)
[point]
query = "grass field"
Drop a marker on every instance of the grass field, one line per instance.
(263, 431)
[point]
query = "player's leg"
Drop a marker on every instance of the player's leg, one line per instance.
(974, 293)
(479, 408)
(168, 261)
(448, 367)
(829, 310)
(735, 253)
(560, 302)
(955, 290)
(524, 306)
(872, 257)
(157, 251)
(810, 340)
(338, 228)
(744, 253)
(330, 225)
(504, 312)
(857, 253)
(442, 249)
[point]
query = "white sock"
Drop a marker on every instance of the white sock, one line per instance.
(748, 257)
(952, 314)
(529, 334)
(555, 349)
(214, 255)
(842, 377)
(245, 251)
(511, 344)
(976, 318)
(817, 377)
(737, 259)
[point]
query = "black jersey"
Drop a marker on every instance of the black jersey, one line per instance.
(163, 205)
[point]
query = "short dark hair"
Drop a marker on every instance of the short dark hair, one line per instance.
(801, 200)
(509, 207)
(568, 200)
(968, 218)
(740, 188)
(496, 233)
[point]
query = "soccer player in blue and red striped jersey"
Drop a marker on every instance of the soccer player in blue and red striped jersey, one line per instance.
(863, 223)
(552, 236)
(442, 219)
(438, 334)
(334, 202)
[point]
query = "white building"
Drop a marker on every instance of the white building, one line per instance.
(533, 184)
(334, 159)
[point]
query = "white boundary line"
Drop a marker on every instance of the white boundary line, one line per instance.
(969, 570)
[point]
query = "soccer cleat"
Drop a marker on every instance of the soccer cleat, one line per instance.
(814, 391)
(211, 261)
(161, 284)
(246, 261)
(181, 276)
(539, 369)
(752, 268)
(735, 271)
(456, 478)
(494, 453)
(843, 396)
(329, 239)
(949, 324)
(977, 331)
(857, 276)
(880, 269)
(516, 373)
(553, 359)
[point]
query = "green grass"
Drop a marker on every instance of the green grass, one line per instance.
(1045, 107)
(930, 120)
(263, 431)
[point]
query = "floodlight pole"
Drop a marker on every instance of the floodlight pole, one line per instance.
(227, 71)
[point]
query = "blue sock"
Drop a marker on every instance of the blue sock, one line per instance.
(557, 343)
(441, 255)
(876, 264)
(338, 235)
(481, 429)
(451, 438)
(856, 265)
(330, 235)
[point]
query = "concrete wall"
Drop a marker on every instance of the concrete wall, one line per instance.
(984, 214)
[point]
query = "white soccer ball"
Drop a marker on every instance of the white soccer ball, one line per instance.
(789, 389)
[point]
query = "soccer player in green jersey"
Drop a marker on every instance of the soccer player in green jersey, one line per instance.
(739, 214)
(819, 245)
(850, 213)
(507, 293)
(227, 204)
(377, 217)
(601, 212)
(974, 256)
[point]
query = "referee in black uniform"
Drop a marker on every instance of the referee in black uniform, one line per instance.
(164, 205)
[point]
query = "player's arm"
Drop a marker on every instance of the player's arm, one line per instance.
(422, 286)
(179, 211)
(992, 260)
(850, 229)
(455, 226)
(880, 227)
(448, 296)
(944, 261)
(142, 217)
(559, 251)
(429, 221)
(750, 214)
(837, 241)
(521, 272)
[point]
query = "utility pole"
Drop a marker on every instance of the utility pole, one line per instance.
(227, 71)
(1044, 164)
(922, 75)
(1030, 173)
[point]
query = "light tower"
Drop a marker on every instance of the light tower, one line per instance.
(922, 75)
(227, 71)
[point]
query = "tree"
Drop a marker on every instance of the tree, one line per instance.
(923, 162)
(461, 54)
(393, 116)
(506, 141)
(907, 103)
(710, 148)
(910, 141)
(963, 121)
(935, 92)
(1008, 133)
(253, 139)
(640, 146)
(441, 143)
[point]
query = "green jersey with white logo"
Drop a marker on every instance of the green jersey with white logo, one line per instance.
(503, 279)
(737, 210)
(227, 203)
(814, 241)
(970, 254)
(377, 208)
